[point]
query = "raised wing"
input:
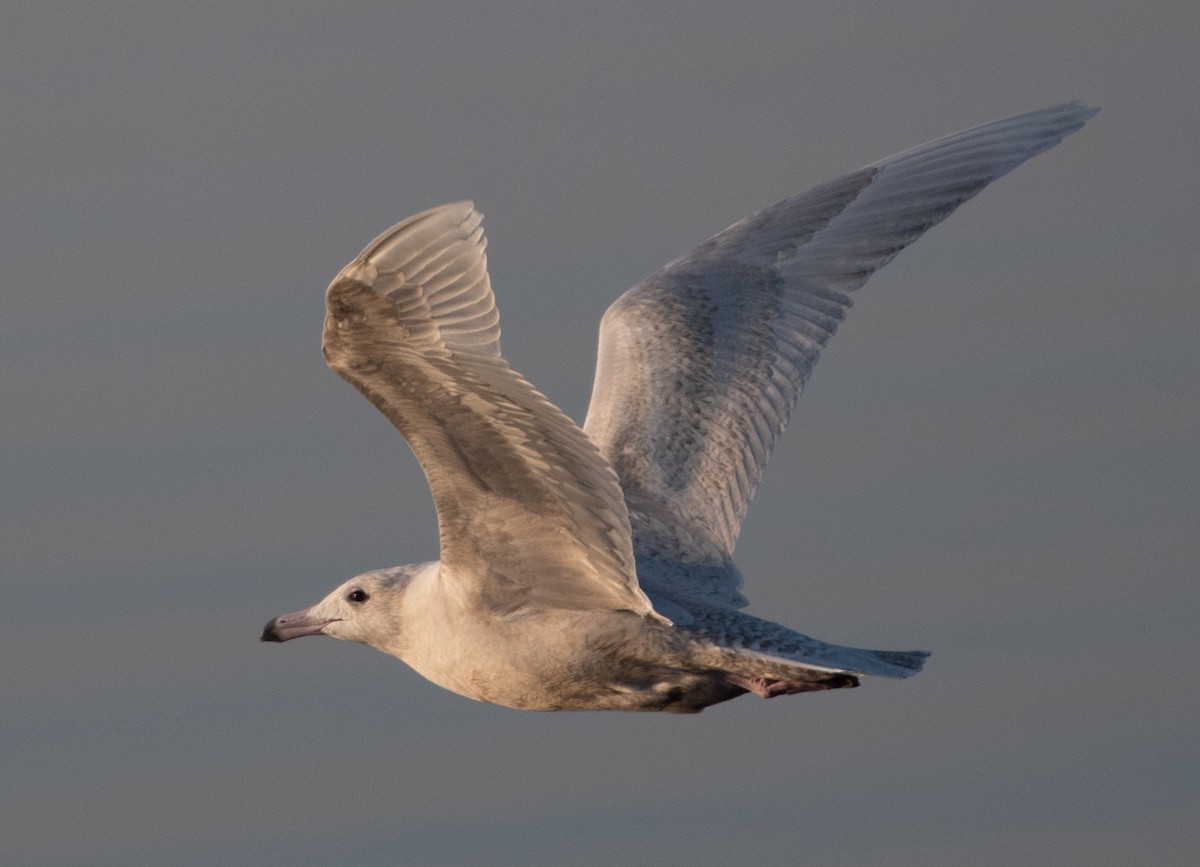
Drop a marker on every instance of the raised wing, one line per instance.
(529, 513)
(701, 364)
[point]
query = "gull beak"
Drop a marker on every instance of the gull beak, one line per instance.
(285, 627)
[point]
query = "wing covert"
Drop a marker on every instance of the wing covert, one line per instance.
(701, 364)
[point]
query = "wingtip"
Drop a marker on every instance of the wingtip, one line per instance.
(1060, 119)
(1084, 108)
(410, 235)
(1079, 112)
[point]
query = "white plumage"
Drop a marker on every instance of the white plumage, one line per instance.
(593, 568)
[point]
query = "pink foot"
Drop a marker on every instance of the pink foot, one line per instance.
(766, 688)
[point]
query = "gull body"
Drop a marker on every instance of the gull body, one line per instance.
(591, 568)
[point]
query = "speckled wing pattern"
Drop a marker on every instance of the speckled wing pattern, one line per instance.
(529, 513)
(701, 364)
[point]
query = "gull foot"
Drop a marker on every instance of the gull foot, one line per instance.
(765, 687)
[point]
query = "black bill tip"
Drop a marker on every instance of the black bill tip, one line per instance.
(270, 632)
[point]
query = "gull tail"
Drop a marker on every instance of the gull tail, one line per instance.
(769, 659)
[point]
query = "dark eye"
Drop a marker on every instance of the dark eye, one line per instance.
(358, 596)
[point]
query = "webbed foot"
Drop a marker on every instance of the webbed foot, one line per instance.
(765, 687)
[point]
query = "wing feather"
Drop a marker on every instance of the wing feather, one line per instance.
(701, 364)
(529, 513)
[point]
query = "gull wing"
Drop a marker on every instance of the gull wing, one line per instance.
(529, 513)
(701, 364)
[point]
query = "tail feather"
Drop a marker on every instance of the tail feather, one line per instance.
(905, 663)
(753, 647)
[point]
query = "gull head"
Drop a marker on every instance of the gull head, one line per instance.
(366, 609)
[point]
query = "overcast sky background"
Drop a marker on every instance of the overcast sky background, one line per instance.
(997, 458)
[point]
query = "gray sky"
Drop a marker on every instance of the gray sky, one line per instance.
(996, 460)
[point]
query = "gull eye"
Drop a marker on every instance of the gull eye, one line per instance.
(358, 596)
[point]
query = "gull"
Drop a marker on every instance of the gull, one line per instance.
(592, 568)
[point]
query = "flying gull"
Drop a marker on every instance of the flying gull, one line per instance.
(591, 568)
